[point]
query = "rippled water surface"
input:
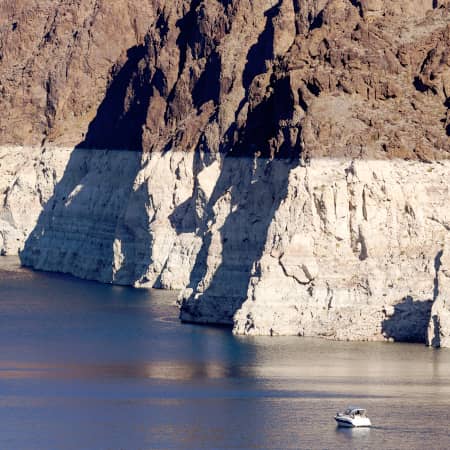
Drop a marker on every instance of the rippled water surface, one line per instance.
(83, 365)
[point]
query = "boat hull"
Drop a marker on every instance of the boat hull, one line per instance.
(349, 422)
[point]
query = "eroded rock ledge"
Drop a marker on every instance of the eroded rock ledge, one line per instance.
(342, 249)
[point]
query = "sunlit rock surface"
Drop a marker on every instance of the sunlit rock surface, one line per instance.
(341, 249)
(287, 78)
(283, 163)
(363, 240)
(439, 327)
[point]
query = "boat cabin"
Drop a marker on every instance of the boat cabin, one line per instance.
(355, 412)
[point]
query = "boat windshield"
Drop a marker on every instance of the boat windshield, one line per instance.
(355, 411)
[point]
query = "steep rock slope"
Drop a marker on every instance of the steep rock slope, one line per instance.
(313, 78)
(289, 156)
(438, 329)
(340, 249)
(56, 58)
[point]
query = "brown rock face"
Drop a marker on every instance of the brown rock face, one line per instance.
(56, 60)
(286, 78)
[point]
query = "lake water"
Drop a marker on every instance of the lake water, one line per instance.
(89, 366)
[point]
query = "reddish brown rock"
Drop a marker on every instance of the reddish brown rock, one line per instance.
(367, 78)
(55, 62)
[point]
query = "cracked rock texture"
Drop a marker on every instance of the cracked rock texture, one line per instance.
(351, 253)
(283, 162)
(27, 180)
(56, 59)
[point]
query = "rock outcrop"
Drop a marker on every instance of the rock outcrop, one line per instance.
(351, 253)
(285, 163)
(28, 177)
(439, 327)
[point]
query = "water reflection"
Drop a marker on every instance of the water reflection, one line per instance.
(353, 433)
(156, 370)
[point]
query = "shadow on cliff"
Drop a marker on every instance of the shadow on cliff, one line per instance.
(411, 319)
(247, 194)
(262, 50)
(122, 114)
(94, 206)
(256, 64)
(238, 215)
(409, 322)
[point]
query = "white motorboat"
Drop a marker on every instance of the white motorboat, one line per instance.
(353, 417)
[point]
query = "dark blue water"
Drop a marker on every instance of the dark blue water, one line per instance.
(88, 366)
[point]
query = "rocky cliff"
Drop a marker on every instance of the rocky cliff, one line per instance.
(284, 163)
(368, 79)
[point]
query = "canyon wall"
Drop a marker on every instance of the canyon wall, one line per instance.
(343, 249)
(363, 79)
(284, 164)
